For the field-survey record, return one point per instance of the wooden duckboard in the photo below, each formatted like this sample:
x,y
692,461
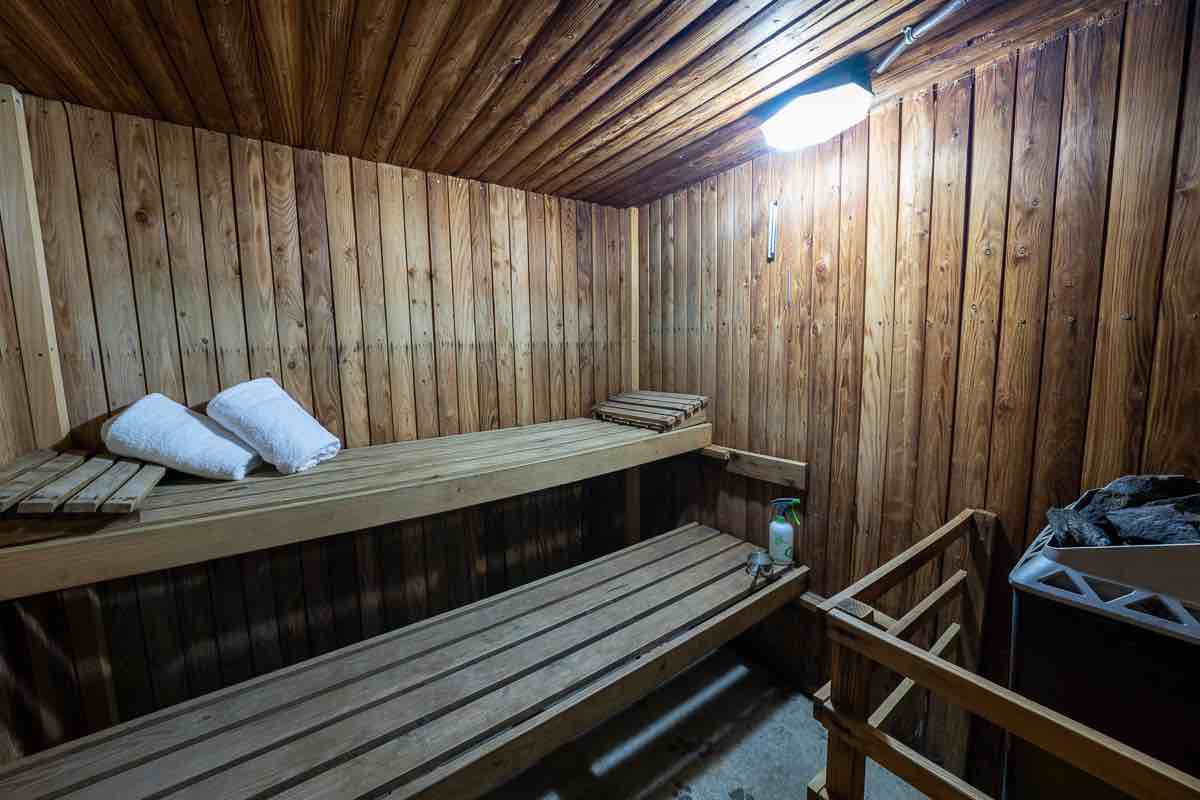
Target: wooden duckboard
x,y
658,411
45,482
450,707
193,521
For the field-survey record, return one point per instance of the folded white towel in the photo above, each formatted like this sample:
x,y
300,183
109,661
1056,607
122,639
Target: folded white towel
x,y
274,424
158,429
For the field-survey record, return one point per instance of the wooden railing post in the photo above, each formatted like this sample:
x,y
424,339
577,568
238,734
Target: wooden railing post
x,y
845,769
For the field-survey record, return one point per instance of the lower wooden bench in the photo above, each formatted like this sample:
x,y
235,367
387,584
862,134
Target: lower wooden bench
x,y
448,708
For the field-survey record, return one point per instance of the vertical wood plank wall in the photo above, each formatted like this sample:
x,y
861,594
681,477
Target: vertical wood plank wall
x,y
392,303
985,295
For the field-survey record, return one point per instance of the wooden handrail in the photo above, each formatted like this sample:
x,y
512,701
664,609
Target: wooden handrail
x,y
760,466
1118,764
969,521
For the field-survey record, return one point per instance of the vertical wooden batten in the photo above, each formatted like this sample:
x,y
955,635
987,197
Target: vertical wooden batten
x,y
27,275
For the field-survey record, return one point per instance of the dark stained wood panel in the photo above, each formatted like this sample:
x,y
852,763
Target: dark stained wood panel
x,y
611,102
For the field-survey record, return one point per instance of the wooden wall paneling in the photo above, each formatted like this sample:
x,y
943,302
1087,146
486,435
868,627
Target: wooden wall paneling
x,y
694,284
318,291
1144,141
465,43
254,247
327,29
600,342
628,243
743,188
823,347
1076,263
108,254
160,632
572,373
58,713
539,315
796,234
555,325
189,277
92,661
442,282
377,24
726,213
70,289
373,300
947,227
229,622
765,187
420,296
283,228
680,291
518,244
347,302
531,40
394,252
343,560
449,539
280,39
230,29
1026,276
669,305
613,288
462,246
654,297
1171,425
883,176
852,256
287,583
197,628
501,266
709,214
485,316
583,285
218,220
421,35
784,169
425,558
908,332
987,216
531,146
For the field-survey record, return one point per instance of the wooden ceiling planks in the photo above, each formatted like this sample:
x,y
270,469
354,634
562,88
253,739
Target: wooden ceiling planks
x,y
616,101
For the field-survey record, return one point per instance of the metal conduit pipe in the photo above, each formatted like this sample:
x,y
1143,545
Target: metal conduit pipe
x,y
914,32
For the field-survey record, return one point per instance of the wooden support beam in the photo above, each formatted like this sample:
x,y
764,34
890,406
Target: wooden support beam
x,y
772,469
27,268
629,308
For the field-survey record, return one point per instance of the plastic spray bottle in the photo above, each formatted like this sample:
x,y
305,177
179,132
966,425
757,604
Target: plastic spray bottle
x,y
781,537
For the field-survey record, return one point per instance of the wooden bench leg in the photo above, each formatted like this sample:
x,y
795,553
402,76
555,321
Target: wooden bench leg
x,y
845,769
633,505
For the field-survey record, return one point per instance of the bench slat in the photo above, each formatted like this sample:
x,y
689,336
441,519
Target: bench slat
x,y
128,744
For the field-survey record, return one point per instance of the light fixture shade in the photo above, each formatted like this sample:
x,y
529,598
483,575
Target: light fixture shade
x,y
815,117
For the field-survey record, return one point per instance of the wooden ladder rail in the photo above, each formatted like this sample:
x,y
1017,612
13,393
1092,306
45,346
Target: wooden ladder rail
x,y
861,643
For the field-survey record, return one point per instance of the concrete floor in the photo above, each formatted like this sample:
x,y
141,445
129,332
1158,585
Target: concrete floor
x,y
725,730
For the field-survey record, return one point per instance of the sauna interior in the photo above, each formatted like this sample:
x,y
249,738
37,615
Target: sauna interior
x,y
561,399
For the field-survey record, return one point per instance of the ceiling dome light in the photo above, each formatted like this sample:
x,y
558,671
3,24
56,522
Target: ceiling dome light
x,y
817,116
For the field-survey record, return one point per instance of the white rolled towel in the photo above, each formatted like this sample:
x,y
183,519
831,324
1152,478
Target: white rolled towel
x,y
158,429
270,421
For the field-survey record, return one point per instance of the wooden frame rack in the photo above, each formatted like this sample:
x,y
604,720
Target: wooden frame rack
x,y
863,640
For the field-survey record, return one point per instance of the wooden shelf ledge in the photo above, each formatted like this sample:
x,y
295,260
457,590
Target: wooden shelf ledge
x,y
772,469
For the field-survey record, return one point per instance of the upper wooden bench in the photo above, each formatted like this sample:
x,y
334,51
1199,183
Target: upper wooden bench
x,y
189,521
446,708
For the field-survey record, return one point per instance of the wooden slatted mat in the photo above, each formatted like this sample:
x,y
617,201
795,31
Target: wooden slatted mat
x,y
658,411
450,707
45,482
